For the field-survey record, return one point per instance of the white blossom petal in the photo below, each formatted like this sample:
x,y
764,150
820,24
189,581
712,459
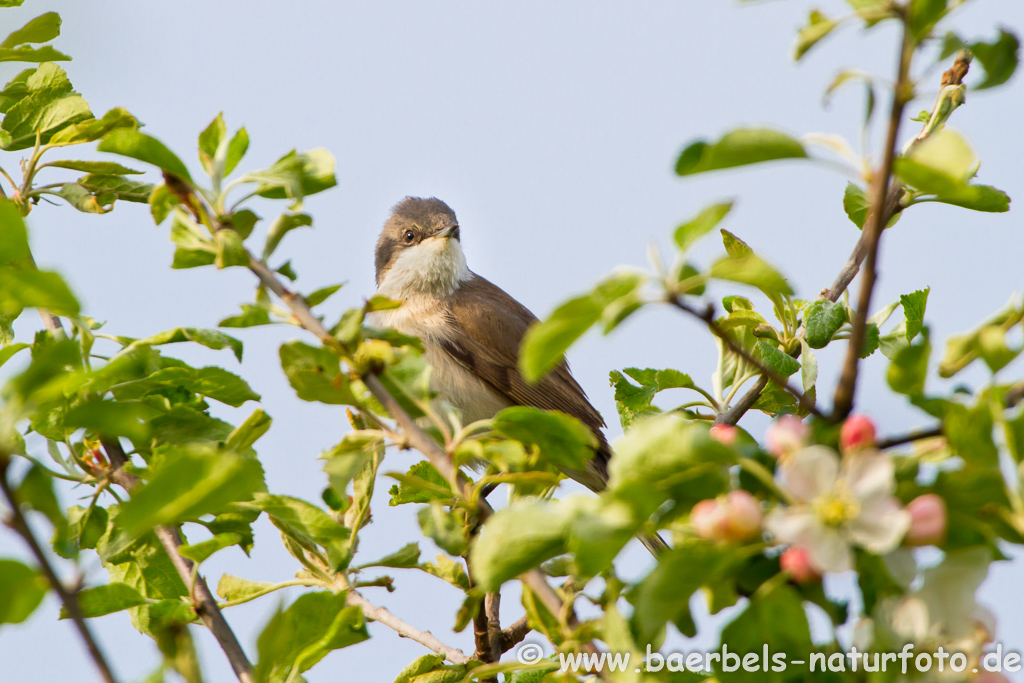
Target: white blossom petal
x,y
795,525
811,472
880,526
869,474
829,551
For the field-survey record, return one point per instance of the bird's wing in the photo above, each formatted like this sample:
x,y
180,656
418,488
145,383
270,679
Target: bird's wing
x,y
492,326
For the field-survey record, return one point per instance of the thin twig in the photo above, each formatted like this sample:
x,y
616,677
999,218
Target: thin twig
x,y
405,630
414,436
204,602
918,435
708,316
842,403
68,598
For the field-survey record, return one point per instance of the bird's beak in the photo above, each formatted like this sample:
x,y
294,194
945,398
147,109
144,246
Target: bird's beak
x,y
450,230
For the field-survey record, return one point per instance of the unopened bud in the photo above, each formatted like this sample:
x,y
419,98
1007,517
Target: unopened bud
x,y
786,435
928,520
797,563
735,516
857,433
725,433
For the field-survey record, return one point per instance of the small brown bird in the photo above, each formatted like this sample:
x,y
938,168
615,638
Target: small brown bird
x,y
471,329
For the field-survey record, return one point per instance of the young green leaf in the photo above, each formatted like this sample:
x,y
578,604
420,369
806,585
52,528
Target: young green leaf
x,y
406,557
300,636
35,289
23,589
444,527
295,176
751,270
942,165
50,104
999,58
913,311
818,26
131,143
698,226
209,141
518,538
209,338
190,482
315,374
562,439
284,224
739,148
114,597
93,128
199,552
822,320
909,367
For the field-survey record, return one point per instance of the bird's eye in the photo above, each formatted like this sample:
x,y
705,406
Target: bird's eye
x,y
409,236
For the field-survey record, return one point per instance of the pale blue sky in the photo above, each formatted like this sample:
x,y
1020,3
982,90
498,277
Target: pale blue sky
x,y
551,129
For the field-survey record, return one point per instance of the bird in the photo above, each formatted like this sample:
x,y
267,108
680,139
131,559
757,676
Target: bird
x,y
472,330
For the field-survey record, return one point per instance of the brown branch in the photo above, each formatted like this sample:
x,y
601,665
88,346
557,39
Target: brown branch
x,y
514,634
405,630
492,604
842,402
708,317
203,601
69,599
414,436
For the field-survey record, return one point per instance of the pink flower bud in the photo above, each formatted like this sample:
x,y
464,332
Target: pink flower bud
x,y
797,563
857,433
786,435
735,516
928,520
725,433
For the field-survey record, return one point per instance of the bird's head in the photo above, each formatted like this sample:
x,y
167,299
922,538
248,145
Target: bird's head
x,y
419,250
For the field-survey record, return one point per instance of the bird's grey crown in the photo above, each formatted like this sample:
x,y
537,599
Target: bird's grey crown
x,y
424,216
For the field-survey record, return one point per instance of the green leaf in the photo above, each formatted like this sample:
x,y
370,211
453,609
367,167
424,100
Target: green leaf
x,y
779,362
808,368
689,232
299,520
111,418
230,250
909,367
751,270
13,235
734,246
100,167
913,311
46,53
774,620
444,528
660,457
295,176
315,374
236,150
923,15
252,316
448,570
243,222
41,29
562,439
35,289
132,143
245,435
22,588
739,148
93,129
518,538
818,26
822,320
211,339
634,402
209,140
107,188
199,552
189,482
211,382
407,557
49,104
664,594
284,224
321,295
546,342
79,197
942,165
233,588
856,204
969,432
422,484
998,58
114,597
300,636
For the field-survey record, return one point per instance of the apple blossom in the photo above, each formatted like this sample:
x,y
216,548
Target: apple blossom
x,y
786,435
928,520
736,516
857,433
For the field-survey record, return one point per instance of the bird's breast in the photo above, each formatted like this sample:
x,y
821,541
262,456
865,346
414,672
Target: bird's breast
x,y
425,318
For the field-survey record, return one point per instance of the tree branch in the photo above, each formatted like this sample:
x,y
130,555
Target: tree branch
x,y
204,602
405,630
708,317
880,188
69,599
492,604
414,436
514,634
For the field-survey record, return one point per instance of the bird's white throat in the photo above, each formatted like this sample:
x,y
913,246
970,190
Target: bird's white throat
x,y
434,266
